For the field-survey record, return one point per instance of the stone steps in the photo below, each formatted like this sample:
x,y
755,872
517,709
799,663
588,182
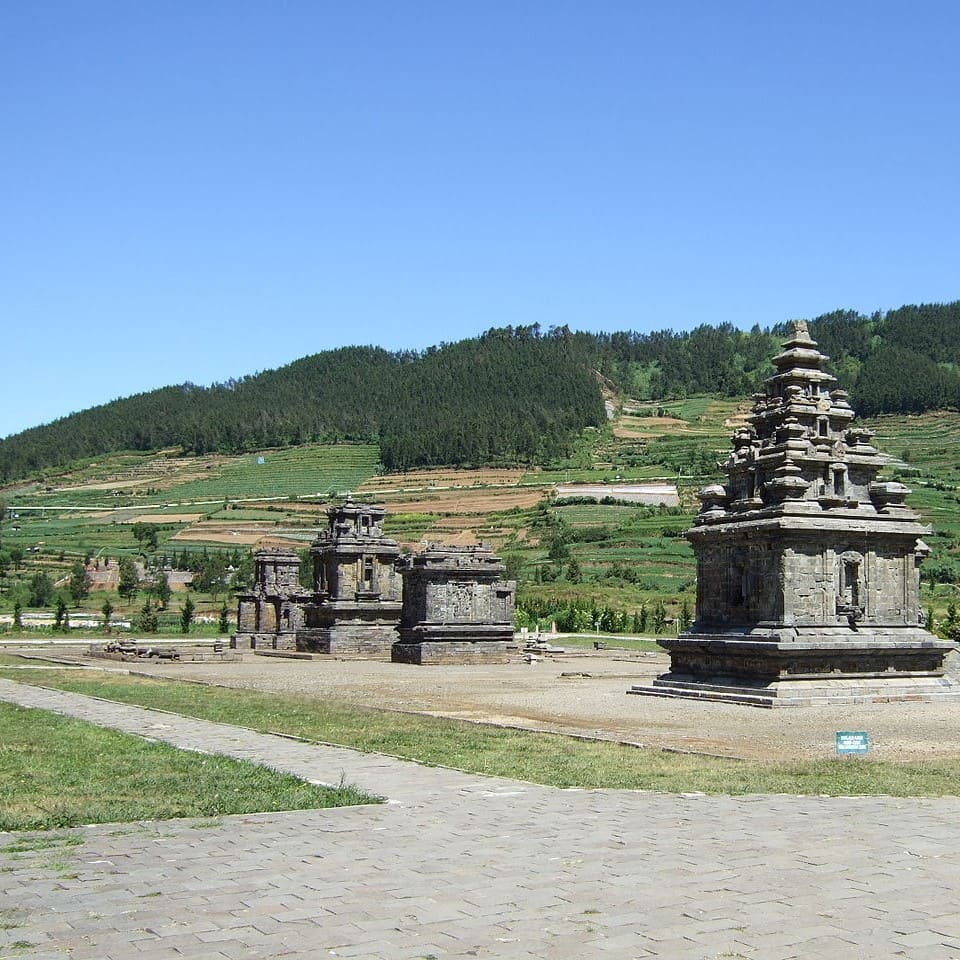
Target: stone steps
x,y
800,693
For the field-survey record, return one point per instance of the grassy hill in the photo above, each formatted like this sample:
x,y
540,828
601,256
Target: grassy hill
x,y
626,566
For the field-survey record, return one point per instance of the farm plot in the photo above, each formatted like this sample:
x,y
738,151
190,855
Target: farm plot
x,y
417,480
312,471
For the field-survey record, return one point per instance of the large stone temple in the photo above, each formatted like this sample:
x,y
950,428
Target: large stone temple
x,y
808,584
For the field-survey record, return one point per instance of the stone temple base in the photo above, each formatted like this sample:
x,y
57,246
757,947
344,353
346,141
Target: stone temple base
x,y
431,652
263,641
803,693
362,642
806,667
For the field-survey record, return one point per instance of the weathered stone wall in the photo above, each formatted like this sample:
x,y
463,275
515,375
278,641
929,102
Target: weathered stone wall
x,y
738,582
433,652
462,601
367,641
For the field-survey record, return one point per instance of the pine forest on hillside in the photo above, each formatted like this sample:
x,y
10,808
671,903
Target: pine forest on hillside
x,y
513,396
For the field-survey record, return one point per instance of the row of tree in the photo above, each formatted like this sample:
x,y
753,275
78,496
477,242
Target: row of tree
x,y
514,394
584,617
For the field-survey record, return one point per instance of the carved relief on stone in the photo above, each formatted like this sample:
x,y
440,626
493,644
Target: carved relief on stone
x,y
460,600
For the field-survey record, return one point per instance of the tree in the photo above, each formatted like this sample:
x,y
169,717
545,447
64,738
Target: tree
x,y
162,590
129,579
210,573
18,615
223,625
186,615
574,574
146,533
16,556
659,618
61,618
107,611
147,622
80,583
951,626
41,589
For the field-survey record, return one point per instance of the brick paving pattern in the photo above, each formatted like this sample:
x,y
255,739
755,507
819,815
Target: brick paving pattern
x,y
459,865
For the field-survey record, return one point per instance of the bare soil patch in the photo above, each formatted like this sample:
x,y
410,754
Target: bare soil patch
x,y
108,484
418,479
212,531
472,502
592,700
162,518
646,428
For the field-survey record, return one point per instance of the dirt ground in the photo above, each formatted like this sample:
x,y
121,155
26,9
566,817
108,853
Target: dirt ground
x,y
584,693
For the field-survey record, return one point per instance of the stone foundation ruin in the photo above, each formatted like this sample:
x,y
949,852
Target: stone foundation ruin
x,y
808,587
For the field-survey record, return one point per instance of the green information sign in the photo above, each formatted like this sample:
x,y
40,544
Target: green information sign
x,y
853,741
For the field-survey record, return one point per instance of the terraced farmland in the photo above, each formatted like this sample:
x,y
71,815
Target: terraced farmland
x,y
323,472
614,555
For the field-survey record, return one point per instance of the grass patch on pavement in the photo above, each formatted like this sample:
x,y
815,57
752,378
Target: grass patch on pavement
x,y
535,757
59,772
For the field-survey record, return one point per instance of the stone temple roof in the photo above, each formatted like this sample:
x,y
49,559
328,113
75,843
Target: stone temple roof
x,y
801,452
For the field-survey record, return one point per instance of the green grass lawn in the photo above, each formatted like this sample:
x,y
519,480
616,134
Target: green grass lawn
x,y
534,757
58,772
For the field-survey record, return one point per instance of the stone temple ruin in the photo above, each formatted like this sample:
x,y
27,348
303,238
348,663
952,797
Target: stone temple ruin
x,y
357,591
808,585
272,611
456,607
447,605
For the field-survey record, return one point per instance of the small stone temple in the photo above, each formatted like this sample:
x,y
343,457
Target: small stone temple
x,y
272,612
808,585
457,608
455,605
357,589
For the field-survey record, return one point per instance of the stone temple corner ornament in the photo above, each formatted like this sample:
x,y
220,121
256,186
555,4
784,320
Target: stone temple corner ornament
x,y
808,583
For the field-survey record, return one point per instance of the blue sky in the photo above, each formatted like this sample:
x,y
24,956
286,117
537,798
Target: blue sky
x,y
196,189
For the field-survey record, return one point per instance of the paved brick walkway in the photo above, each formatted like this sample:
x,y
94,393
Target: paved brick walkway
x,y
457,865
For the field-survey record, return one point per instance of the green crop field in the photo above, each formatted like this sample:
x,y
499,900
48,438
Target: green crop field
x,y
314,471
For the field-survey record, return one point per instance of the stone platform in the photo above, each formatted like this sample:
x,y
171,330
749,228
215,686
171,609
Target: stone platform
x,y
468,652
802,693
367,641
806,666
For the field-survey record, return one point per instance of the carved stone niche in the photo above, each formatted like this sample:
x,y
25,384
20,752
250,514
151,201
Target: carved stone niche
x,y
850,587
